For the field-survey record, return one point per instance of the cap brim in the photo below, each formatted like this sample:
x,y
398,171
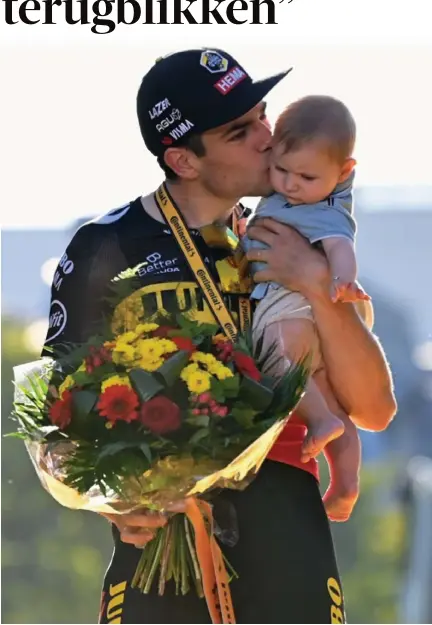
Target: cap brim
x,y
264,86
254,93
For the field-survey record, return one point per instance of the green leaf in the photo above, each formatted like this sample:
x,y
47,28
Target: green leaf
x,y
113,448
244,415
146,451
170,371
199,420
81,378
83,403
198,436
217,390
230,386
256,394
145,384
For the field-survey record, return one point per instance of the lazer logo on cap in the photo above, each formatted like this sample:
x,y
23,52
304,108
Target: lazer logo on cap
x,y
159,108
214,62
230,80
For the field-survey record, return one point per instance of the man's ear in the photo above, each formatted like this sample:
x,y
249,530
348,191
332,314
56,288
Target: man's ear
x,y
347,168
183,162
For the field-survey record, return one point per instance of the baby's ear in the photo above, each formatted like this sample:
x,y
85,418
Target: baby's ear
x,y
347,168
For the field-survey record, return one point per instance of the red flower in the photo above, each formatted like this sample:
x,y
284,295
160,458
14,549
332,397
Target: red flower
x,y
246,365
97,358
162,332
61,410
118,403
225,350
160,415
184,343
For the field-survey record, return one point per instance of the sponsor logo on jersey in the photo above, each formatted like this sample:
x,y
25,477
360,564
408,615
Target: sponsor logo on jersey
x,y
65,267
57,320
156,266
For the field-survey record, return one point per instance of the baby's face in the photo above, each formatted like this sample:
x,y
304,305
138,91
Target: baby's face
x,y
305,176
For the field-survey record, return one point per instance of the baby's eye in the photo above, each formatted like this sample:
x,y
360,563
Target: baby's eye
x,y
309,178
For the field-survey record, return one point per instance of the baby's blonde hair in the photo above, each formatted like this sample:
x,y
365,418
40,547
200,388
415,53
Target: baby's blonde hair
x,y
317,117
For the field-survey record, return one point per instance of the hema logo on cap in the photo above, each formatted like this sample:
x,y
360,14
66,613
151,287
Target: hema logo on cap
x,y
230,80
214,62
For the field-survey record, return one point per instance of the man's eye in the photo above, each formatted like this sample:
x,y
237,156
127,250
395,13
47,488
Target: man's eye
x,y
240,135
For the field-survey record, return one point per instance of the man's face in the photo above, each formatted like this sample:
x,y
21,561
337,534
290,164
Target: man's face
x,y
236,162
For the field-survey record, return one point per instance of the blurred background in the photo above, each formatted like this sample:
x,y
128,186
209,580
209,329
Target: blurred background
x,y
71,150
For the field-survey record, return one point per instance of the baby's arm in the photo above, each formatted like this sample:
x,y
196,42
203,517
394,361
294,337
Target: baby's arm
x,y
343,267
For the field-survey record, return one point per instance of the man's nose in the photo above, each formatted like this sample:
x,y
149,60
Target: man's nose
x,y
265,136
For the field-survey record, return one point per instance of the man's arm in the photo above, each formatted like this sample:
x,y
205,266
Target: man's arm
x,y
356,363
76,304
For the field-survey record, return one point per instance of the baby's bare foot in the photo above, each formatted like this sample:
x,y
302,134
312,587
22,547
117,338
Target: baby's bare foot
x,y
320,435
339,502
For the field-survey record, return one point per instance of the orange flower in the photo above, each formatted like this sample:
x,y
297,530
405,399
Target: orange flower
x,y
118,403
61,410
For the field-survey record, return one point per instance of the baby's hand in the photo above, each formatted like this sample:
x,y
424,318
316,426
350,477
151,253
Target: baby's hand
x,y
341,291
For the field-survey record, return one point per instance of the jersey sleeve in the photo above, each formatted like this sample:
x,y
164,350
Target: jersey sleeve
x,y
79,288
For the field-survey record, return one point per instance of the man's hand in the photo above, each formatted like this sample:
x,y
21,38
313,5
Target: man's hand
x,y
291,260
139,527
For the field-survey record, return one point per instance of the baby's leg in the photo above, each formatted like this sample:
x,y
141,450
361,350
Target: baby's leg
x,y
343,457
294,339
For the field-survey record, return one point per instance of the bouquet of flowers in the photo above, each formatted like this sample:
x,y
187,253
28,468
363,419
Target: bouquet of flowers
x,y
149,412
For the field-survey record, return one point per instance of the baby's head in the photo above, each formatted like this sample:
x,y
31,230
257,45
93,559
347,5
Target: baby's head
x,y
312,149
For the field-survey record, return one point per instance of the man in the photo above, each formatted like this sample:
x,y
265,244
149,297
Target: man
x,y
203,117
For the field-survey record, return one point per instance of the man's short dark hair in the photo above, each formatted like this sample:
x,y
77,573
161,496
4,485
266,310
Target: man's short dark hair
x,y
194,143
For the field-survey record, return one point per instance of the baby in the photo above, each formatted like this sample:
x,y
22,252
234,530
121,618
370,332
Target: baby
x,y
312,173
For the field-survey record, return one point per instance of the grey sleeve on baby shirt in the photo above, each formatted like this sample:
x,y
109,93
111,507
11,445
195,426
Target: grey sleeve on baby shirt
x,y
330,218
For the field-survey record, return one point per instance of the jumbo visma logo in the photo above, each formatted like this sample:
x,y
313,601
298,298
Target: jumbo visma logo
x,y
336,608
113,602
169,297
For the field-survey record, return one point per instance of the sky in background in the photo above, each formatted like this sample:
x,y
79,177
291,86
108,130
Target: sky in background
x,y
70,142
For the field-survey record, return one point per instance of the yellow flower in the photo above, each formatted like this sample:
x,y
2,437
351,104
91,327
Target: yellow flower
x,y
188,371
205,359
67,383
82,366
121,380
221,372
168,346
199,382
127,337
123,354
143,328
149,349
150,365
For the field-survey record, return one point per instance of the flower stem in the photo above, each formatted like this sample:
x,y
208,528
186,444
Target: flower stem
x,y
156,560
